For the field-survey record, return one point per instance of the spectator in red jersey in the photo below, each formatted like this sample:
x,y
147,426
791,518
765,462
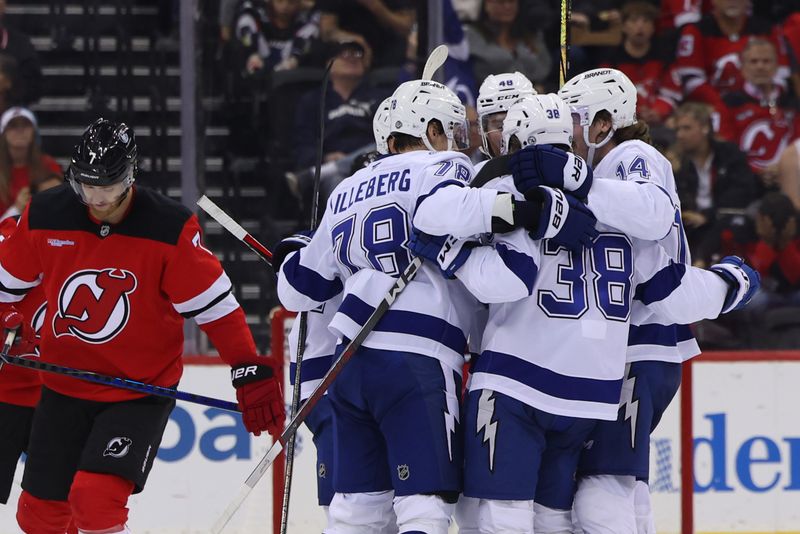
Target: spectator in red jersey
x,y
641,58
776,254
761,114
678,13
707,62
712,175
21,159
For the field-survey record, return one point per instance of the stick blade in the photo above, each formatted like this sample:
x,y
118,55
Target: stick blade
x,y
435,60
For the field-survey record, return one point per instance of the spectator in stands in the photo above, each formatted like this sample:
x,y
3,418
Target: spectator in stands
x,y
350,104
17,45
760,116
707,63
22,162
642,59
273,34
712,175
502,41
789,173
380,26
677,13
776,254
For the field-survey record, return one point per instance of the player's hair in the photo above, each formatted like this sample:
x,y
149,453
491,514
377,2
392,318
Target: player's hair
x,y
699,112
639,130
758,41
404,142
639,8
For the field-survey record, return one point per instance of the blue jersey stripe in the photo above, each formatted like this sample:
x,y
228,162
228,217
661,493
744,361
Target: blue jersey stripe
x,y
407,322
667,335
520,264
313,368
309,282
662,284
547,381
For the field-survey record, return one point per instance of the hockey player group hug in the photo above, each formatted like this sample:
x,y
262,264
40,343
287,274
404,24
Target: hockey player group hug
x,y
562,264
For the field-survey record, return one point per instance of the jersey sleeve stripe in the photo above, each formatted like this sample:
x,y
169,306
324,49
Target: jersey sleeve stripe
x,y
11,284
220,309
547,381
667,335
520,264
217,300
406,322
195,305
661,285
436,188
309,282
313,369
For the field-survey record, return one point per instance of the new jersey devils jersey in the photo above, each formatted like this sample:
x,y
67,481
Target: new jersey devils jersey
x,y
117,294
20,386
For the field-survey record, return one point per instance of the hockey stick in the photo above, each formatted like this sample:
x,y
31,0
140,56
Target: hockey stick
x,y
314,398
303,326
122,383
435,60
235,228
564,42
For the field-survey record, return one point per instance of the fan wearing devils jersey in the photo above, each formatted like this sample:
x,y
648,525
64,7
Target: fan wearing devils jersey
x,y
707,62
120,268
762,113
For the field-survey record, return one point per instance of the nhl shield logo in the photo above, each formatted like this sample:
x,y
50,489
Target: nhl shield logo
x,y
322,471
402,472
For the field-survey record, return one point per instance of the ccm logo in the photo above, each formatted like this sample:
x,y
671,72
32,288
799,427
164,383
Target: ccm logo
x,y
242,372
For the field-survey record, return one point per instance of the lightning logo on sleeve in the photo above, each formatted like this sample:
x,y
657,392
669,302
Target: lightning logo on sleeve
x,y
485,423
631,405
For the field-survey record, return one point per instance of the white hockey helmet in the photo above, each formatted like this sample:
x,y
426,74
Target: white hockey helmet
x,y
538,120
496,95
380,126
414,104
601,89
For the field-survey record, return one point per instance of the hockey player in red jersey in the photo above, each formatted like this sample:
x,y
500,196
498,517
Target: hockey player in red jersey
x,y
121,267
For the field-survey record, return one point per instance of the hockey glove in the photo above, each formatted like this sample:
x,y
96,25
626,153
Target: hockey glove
x,y
260,398
448,252
288,245
743,280
508,214
25,342
547,165
564,219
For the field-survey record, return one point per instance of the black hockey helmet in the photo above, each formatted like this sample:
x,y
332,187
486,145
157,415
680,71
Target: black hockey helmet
x,y
105,155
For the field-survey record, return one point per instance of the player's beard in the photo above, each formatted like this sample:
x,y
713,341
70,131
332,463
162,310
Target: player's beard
x,y
107,211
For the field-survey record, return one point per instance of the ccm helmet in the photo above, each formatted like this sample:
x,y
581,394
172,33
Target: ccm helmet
x,y
105,155
538,120
416,103
496,95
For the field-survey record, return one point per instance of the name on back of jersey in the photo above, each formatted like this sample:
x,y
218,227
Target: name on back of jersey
x,y
374,186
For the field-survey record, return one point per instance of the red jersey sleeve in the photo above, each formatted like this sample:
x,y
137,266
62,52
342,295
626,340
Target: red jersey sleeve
x,y
20,268
51,164
199,289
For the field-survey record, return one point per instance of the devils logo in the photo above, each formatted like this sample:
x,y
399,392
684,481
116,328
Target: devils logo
x,y
94,305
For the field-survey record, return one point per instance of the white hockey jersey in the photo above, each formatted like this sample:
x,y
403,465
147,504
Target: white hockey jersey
x,y
360,248
319,348
557,332
643,211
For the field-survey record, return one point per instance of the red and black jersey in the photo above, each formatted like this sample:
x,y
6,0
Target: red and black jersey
x,y
650,74
20,386
117,294
677,13
707,62
763,125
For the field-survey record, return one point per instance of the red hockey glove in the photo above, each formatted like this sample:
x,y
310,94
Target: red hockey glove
x,y
260,399
25,342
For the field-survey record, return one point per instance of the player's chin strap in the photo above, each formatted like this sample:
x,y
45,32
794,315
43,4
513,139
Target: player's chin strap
x,y
594,146
430,146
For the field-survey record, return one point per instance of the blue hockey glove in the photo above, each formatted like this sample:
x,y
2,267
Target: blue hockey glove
x,y
448,252
743,280
288,245
537,165
564,219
